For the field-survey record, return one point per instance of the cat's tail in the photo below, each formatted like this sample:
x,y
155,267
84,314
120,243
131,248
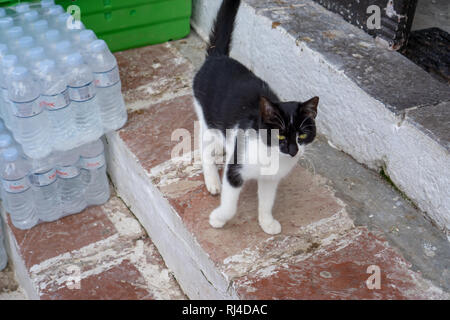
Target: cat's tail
x,y
220,37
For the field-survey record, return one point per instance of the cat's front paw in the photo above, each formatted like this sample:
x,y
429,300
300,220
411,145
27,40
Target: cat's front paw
x,y
270,226
215,219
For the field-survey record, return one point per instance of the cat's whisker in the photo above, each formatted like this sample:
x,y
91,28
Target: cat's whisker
x,y
310,125
304,121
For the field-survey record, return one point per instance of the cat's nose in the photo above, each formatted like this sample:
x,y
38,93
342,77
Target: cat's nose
x,y
293,149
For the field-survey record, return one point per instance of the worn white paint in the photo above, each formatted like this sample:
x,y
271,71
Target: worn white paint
x,y
193,269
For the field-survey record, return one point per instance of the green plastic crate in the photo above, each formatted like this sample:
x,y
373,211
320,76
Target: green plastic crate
x,y
126,24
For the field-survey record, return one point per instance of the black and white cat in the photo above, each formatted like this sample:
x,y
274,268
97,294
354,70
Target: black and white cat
x,y
230,98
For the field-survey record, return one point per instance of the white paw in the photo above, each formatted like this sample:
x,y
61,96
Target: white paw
x,y
215,219
212,182
271,226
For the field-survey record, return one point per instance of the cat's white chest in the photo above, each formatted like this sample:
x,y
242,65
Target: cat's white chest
x,y
271,165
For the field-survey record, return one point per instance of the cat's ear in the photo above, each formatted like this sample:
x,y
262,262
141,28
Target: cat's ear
x,y
310,107
269,112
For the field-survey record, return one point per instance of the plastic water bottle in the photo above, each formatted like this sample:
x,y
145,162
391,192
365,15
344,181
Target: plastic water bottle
x,y
93,173
61,21
2,12
52,12
107,80
5,142
22,7
8,64
3,53
23,45
29,122
38,30
62,50
44,186
45,4
86,37
82,93
6,23
17,192
12,34
3,255
55,99
52,37
73,31
33,57
71,197
28,18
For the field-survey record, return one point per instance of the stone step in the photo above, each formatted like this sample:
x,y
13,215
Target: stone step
x,y
375,104
101,253
321,252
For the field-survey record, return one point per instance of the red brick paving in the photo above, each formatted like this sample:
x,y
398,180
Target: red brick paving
x,y
338,271
148,131
122,282
50,239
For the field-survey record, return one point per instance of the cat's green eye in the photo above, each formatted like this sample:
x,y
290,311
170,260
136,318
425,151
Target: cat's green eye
x,y
281,137
303,136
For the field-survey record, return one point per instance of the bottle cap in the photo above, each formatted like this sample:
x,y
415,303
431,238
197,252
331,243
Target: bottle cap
x,y
40,26
75,59
98,46
63,46
5,140
6,22
9,60
19,72
47,3
36,53
55,10
46,65
25,42
15,32
10,154
22,7
63,17
87,36
52,35
3,49
31,16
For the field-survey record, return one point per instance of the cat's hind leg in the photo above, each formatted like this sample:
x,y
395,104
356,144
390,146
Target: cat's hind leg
x,y
210,143
207,143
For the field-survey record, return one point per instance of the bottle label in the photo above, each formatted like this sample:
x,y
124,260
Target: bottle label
x,y
55,102
84,93
26,109
107,79
43,179
93,163
67,172
16,186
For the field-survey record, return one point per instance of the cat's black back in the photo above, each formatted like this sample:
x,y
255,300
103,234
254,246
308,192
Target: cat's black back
x,y
228,92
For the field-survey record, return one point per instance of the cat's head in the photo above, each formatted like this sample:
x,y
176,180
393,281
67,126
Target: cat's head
x,y
295,122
